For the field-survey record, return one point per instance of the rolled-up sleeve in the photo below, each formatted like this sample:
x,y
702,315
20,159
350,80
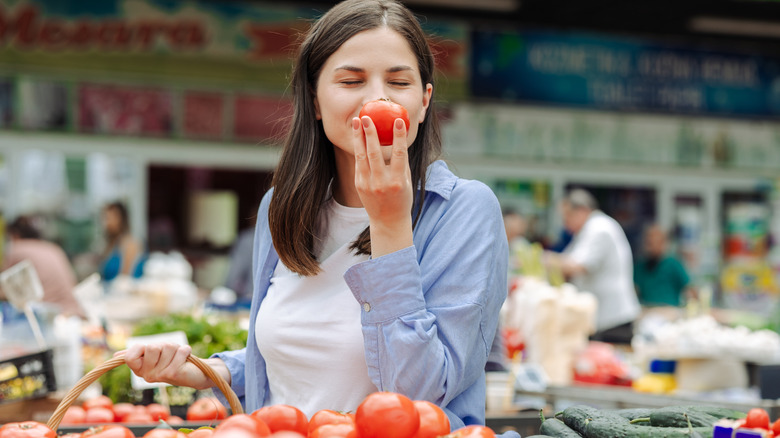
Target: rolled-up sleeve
x,y
236,362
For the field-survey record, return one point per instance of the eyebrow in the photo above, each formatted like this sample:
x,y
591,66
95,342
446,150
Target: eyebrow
x,y
395,69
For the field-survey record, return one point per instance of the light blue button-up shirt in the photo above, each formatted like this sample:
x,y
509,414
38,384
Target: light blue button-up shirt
x,y
429,311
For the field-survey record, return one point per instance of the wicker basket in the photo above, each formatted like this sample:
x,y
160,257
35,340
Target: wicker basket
x,y
92,376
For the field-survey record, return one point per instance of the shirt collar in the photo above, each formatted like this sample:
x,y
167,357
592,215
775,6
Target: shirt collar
x,y
439,179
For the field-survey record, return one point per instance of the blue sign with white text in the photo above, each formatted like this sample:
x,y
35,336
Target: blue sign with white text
x,y
622,74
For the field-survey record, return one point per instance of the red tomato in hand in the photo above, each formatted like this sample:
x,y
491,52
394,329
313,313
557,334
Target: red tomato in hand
x,y
327,416
386,415
343,430
100,401
244,422
108,431
473,431
74,415
433,421
122,410
206,409
158,411
99,415
283,417
757,417
26,429
383,113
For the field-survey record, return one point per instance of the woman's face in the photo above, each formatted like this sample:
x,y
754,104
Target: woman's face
x,y
112,222
373,64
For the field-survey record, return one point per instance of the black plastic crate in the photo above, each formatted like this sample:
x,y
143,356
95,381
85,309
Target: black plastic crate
x,y
27,377
138,430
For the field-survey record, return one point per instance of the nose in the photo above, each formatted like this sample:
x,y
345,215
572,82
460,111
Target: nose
x,y
375,90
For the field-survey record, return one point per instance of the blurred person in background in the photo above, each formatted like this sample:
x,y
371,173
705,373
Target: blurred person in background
x,y
660,278
516,226
49,260
122,255
598,260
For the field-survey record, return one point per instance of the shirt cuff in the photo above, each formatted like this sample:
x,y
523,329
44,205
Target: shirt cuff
x,y
387,287
236,368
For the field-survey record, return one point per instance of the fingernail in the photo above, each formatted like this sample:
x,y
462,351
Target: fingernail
x,y
399,124
355,123
366,119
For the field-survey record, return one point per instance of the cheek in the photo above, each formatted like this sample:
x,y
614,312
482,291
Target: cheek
x,y
414,129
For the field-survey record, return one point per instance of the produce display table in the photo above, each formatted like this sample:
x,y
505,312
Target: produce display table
x,y
38,409
526,423
616,397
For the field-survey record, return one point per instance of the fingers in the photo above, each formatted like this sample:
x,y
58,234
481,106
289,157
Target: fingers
x,y
362,170
373,150
399,161
134,357
157,362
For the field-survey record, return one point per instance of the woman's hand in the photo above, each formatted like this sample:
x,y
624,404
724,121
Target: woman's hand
x,y
384,186
168,363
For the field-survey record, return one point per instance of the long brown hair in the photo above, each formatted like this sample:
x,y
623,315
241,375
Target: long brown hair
x,y
307,164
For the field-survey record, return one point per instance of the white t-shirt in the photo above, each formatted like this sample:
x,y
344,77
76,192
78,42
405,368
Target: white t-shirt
x,y
601,246
308,328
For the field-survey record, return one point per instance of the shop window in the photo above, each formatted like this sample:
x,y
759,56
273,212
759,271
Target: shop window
x,y
201,212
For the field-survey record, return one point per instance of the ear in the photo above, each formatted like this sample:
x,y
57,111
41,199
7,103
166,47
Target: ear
x,y
317,108
427,94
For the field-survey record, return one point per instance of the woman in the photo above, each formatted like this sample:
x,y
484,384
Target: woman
x,y
122,252
375,268
49,260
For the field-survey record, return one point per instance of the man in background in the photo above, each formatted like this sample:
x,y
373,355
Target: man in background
x,y
660,278
598,260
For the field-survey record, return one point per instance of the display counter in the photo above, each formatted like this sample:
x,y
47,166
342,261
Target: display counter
x,y
616,397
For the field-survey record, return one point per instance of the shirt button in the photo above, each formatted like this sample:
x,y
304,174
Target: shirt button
x,y
366,307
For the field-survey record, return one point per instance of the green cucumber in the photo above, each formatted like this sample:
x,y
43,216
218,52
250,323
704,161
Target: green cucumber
x,y
678,416
557,428
607,427
577,417
633,413
719,412
593,423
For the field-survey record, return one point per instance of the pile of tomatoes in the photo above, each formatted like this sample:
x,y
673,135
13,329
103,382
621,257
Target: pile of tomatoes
x,y
380,415
101,410
758,420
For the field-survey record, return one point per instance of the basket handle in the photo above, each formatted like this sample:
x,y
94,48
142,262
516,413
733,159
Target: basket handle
x,y
92,376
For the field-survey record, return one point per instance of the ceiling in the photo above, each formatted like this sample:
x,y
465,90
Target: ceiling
x,y
751,24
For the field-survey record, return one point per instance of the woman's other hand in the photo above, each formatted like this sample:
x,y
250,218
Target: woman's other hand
x,y
168,363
